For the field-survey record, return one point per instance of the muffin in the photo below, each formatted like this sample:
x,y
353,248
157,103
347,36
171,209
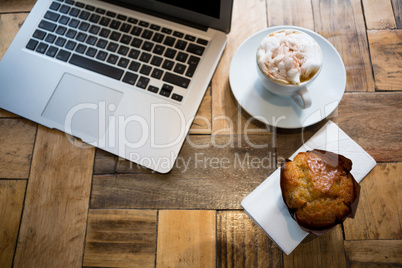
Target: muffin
x,y
318,188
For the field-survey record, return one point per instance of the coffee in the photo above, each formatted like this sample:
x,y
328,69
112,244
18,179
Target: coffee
x,y
289,57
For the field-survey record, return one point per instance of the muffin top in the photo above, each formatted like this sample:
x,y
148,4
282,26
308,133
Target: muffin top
x,y
318,189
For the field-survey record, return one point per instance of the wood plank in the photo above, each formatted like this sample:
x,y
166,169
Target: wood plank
x,y
12,193
241,243
379,215
9,26
6,114
120,238
8,6
55,212
372,120
202,123
342,23
186,238
386,50
374,253
397,7
211,173
378,14
290,12
17,137
105,163
323,251
227,116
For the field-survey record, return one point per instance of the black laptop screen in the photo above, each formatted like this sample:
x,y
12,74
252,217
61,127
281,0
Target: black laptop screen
x,y
206,13
207,7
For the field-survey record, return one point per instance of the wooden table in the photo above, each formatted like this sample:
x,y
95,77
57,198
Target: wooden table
x,y
65,205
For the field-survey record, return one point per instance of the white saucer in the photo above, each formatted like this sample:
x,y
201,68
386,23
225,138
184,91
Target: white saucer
x,y
326,91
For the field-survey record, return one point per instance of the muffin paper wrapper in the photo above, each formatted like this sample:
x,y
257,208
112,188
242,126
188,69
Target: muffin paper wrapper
x,y
265,205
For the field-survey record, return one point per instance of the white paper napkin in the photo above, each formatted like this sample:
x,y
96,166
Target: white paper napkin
x,y
265,205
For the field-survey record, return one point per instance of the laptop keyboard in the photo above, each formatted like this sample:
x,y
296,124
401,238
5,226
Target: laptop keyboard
x,y
124,48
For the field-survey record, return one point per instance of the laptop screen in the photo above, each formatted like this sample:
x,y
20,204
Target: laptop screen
x,y
206,13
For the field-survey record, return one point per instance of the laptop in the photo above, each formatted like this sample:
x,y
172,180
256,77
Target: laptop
x,y
124,76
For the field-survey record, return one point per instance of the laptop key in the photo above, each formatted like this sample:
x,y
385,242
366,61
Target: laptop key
x,y
176,80
112,58
143,82
134,66
74,23
70,45
195,49
51,16
101,55
38,34
63,55
81,48
157,73
192,65
54,6
145,69
153,89
74,12
130,78
167,64
177,97
51,52
91,52
50,38
71,33
60,41
166,90
123,62
104,21
41,48
47,25
64,9
96,66
64,20
61,30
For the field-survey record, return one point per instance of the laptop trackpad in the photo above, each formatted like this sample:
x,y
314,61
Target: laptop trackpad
x,y
82,108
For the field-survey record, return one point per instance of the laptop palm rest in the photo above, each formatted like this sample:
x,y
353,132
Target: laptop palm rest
x,y
81,108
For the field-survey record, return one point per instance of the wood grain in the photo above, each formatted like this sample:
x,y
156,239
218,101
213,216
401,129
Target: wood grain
x,y
373,121
8,6
186,238
121,238
54,219
17,137
227,115
12,193
241,243
386,51
379,14
202,123
323,251
105,163
342,23
397,7
379,215
374,253
364,118
9,26
288,12
211,173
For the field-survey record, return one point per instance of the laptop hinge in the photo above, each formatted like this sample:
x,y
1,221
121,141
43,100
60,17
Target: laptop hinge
x,y
159,15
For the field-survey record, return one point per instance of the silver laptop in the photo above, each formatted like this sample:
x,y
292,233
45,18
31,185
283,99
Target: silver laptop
x,y
124,76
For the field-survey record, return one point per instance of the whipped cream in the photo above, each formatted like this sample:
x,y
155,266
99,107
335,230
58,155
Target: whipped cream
x,y
289,56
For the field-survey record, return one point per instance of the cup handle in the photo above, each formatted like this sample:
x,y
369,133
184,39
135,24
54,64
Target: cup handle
x,y
302,98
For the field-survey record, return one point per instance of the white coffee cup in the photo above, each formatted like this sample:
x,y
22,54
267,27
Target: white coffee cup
x,y
281,87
